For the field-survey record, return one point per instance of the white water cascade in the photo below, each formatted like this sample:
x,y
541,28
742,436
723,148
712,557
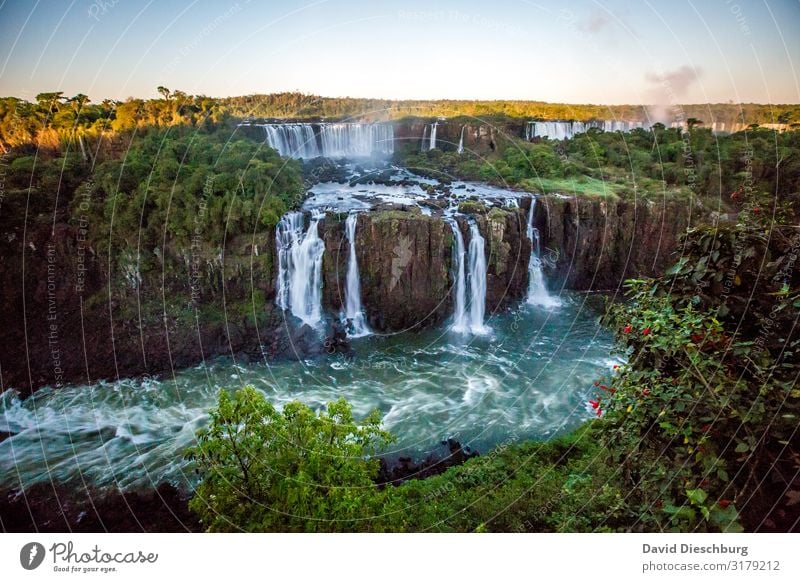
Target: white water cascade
x,y
460,321
469,319
300,267
331,140
477,280
461,140
424,137
537,290
353,314
432,145
559,130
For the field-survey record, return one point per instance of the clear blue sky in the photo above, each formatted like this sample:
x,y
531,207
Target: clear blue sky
x,y
615,51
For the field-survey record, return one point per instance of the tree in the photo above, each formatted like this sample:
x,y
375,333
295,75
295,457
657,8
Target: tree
x,y
293,470
79,101
164,91
693,122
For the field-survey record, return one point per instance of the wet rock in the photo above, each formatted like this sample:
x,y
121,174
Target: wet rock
x,y
449,453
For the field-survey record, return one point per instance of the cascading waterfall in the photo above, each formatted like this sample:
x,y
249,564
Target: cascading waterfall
x,y
353,313
331,140
568,129
432,145
292,140
424,137
469,272
460,320
477,280
537,290
356,139
300,267
461,140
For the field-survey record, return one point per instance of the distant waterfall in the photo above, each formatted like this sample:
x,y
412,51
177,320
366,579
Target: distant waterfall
x,y
461,140
300,267
331,140
537,290
558,130
353,312
424,137
466,320
432,145
292,140
356,139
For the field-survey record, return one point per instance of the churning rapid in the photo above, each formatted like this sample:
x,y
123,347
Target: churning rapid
x,y
330,140
530,378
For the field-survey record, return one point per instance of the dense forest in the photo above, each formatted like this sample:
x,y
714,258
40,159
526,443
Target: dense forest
x,y
54,117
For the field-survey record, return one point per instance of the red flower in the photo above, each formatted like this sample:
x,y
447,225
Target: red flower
x,y
646,331
734,195
756,210
612,390
627,329
599,412
616,366
597,383
646,392
696,337
594,403
724,503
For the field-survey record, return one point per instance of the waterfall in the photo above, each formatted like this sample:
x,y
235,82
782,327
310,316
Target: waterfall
x,y
469,319
434,125
477,280
537,290
460,322
356,139
424,137
293,140
569,129
461,140
300,267
331,140
353,315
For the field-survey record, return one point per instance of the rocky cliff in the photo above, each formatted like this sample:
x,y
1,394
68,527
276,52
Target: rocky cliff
x,y
70,316
597,244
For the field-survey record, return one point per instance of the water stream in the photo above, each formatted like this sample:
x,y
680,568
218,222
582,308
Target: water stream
x,y
353,312
530,378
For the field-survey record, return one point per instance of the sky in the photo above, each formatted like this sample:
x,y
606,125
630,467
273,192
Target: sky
x,y
584,51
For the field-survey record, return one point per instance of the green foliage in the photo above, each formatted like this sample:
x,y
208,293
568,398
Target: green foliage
x,y
293,470
759,169
703,417
565,485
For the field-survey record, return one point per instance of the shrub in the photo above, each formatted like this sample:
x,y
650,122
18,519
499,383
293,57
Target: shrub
x,y
292,470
